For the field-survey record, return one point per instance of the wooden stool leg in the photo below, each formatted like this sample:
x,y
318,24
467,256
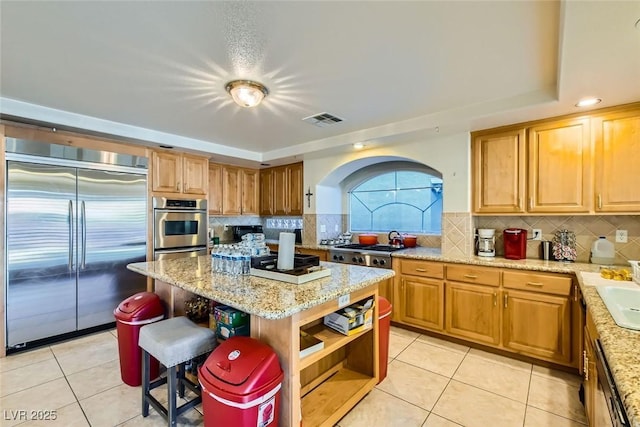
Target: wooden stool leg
x,y
145,382
171,389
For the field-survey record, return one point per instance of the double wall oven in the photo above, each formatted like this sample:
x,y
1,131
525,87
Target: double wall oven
x,y
366,255
179,228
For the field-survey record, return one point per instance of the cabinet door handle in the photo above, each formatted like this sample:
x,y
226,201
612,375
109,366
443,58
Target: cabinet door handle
x,y
506,300
585,365
538,284
421,270
470,276
495,299
575,292
178,186
599,201
530,203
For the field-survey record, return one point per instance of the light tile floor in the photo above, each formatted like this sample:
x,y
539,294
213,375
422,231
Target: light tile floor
x,y
430,383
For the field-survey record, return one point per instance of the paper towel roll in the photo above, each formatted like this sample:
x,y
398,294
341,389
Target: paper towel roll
x,y
286,245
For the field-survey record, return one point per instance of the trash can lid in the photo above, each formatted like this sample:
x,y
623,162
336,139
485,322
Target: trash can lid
x,y
143,305
384,306
241,365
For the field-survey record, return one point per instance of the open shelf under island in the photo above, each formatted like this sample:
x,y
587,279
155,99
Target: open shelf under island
x,y
321,387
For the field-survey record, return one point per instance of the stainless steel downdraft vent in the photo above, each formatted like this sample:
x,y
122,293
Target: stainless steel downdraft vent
x,y
323,120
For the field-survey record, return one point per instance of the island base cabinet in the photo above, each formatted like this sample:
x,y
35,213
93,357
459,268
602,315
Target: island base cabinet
x,y
320,388
538,325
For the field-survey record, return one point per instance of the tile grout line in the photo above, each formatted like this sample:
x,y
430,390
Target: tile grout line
x,y
70,388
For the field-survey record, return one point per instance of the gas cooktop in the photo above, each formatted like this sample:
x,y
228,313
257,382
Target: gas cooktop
x,y
358,247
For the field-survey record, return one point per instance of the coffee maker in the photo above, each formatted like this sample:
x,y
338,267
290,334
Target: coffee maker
x,y
486,242
515,243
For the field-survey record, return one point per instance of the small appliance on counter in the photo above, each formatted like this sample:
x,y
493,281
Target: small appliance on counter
x,y
564,246
486,242
241,230
515,243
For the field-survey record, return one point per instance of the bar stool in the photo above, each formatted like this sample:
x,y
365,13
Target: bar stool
x,y
173,342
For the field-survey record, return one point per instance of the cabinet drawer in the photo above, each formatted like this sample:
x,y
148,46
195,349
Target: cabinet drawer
x,y
547,283
423,268
472,274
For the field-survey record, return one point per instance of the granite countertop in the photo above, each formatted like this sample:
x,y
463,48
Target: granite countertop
x,y
266,298
621,346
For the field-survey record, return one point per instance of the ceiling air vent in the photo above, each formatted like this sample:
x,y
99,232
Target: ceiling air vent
x,y
323,120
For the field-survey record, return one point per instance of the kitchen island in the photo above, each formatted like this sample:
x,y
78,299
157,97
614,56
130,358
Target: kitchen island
x,y
323,386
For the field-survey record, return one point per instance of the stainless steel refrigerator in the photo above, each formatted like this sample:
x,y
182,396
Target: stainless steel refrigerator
x,y
70,232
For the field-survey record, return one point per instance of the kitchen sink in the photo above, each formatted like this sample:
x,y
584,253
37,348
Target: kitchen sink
x,y
623,303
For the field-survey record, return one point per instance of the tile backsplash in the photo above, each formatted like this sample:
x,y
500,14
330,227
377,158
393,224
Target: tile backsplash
x,y
587,229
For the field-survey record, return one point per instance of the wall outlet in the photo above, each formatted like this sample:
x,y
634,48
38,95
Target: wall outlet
x,y
537,234
226,227
621,236
323,228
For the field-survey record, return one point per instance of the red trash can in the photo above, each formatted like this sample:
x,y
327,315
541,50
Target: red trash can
x,y
131,315
241,381
384,326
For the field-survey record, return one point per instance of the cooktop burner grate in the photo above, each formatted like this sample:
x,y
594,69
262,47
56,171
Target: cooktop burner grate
x,y
379,248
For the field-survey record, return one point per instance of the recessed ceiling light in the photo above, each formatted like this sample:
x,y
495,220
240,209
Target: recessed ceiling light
x,y
358,145
587,102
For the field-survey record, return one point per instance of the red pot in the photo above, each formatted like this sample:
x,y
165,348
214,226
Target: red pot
x,y
368,239
409,241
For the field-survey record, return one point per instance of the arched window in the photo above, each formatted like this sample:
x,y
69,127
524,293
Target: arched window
x,y
406,201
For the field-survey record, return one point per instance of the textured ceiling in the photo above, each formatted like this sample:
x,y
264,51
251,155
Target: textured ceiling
x,y
393,70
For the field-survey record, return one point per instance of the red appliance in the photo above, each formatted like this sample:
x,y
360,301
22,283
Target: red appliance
x,y
131,315
241,382
515,243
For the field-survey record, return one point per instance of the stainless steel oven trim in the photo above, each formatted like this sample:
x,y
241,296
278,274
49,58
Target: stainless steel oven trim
x,y
179,253
605,377
160,241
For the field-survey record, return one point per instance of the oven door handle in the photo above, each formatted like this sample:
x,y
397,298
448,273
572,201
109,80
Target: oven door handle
x,y
620,414
180,250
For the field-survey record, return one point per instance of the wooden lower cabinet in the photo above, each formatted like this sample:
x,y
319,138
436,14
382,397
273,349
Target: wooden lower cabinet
x,y
472,312
537,324
531,313
421,302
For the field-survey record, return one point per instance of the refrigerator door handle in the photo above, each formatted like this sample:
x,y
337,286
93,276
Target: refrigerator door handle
x,y
71,222
83,224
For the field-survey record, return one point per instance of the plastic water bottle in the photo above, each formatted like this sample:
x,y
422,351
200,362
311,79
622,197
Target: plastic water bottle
x,y
236,261
246,262
215,258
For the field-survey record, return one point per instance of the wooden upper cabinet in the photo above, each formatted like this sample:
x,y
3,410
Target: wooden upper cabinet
x,y
195,173
295,183
215,189
233,190
281,190
250,191
266,192
167,172
179,173
499,172
560,167
617,161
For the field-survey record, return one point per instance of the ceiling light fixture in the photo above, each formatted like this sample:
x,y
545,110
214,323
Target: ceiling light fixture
x,y
587,102
246,93
358,145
